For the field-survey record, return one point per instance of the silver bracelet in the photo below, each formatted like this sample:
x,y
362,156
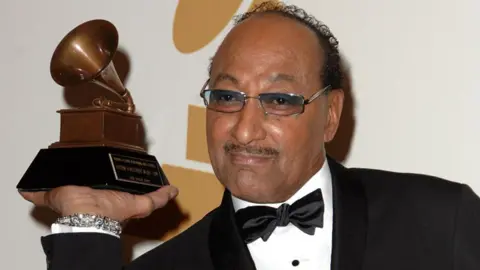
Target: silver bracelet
x,y
89,220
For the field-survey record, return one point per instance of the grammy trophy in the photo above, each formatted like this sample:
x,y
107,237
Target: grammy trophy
x,y
100,146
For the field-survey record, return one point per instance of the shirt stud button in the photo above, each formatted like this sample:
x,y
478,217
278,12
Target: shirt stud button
x,y
295,262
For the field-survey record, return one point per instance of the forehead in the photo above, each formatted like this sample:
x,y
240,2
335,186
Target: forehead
x,y
268,45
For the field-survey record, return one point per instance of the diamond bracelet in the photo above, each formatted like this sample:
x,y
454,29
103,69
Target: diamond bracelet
x,y
88,220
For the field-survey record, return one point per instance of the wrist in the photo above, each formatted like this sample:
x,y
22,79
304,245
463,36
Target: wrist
x,y
89,209
85,220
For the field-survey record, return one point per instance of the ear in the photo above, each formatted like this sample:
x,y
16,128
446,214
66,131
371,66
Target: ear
x,y
335,107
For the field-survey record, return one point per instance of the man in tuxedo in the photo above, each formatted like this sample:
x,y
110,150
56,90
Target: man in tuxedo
x,y
274,98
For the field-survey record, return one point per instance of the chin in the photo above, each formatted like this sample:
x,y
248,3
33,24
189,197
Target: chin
x,y
249,185
252,192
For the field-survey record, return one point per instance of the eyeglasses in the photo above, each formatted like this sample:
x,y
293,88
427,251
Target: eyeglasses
x,y
281,104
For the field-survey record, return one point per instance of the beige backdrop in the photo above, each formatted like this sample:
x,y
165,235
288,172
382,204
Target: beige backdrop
x,y
412,104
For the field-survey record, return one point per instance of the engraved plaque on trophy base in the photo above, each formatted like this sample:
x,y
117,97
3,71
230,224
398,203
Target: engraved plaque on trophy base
x,y
96,167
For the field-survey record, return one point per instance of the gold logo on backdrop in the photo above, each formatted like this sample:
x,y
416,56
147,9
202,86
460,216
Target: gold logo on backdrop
x,y
198,22
193,29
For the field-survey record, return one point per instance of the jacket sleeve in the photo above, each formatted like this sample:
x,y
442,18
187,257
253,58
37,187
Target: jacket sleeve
x,y
82,251
466,247
99,251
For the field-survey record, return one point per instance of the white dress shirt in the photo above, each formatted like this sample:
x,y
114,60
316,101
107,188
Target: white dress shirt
x,y
290,248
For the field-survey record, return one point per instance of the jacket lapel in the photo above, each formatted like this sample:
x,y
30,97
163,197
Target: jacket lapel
x,y
349,219
227,249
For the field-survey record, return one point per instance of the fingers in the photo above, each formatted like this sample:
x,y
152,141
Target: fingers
x,y
162,196
37,198
146,204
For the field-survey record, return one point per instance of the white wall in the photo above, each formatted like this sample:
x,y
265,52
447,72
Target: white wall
x,y
413,65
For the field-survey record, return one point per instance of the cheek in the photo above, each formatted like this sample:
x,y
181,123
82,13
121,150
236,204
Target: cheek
x,y
218,129
284,136
276,133
288,140
296,139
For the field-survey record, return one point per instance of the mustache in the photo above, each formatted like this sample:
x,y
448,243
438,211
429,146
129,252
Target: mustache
x,y
261,151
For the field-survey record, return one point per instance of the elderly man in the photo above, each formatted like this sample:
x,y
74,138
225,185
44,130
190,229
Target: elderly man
x,y
274,98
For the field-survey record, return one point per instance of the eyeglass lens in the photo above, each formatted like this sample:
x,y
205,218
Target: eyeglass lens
x,y
272,103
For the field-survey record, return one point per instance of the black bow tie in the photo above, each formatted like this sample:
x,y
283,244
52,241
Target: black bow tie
x,y
260,221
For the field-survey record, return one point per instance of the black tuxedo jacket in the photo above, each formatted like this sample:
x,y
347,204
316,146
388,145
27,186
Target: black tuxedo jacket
x,y
382,220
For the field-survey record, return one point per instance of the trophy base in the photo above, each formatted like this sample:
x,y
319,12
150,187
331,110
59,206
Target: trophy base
x,y
98,167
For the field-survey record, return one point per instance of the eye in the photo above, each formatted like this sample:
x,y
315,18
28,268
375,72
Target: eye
x,y
277,99
225,97
280,101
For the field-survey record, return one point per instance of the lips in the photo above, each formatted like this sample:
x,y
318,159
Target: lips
x,y
249,159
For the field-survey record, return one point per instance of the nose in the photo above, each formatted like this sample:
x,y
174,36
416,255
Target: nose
x,y
249,125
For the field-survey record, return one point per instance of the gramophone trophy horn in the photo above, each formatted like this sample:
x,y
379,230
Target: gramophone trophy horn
x,y
100,146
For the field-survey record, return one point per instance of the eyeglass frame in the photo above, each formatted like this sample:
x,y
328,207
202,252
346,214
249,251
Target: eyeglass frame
x,y
306,101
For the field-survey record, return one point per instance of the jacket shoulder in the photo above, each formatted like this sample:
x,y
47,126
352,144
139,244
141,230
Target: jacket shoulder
x,y
412,190
406,180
